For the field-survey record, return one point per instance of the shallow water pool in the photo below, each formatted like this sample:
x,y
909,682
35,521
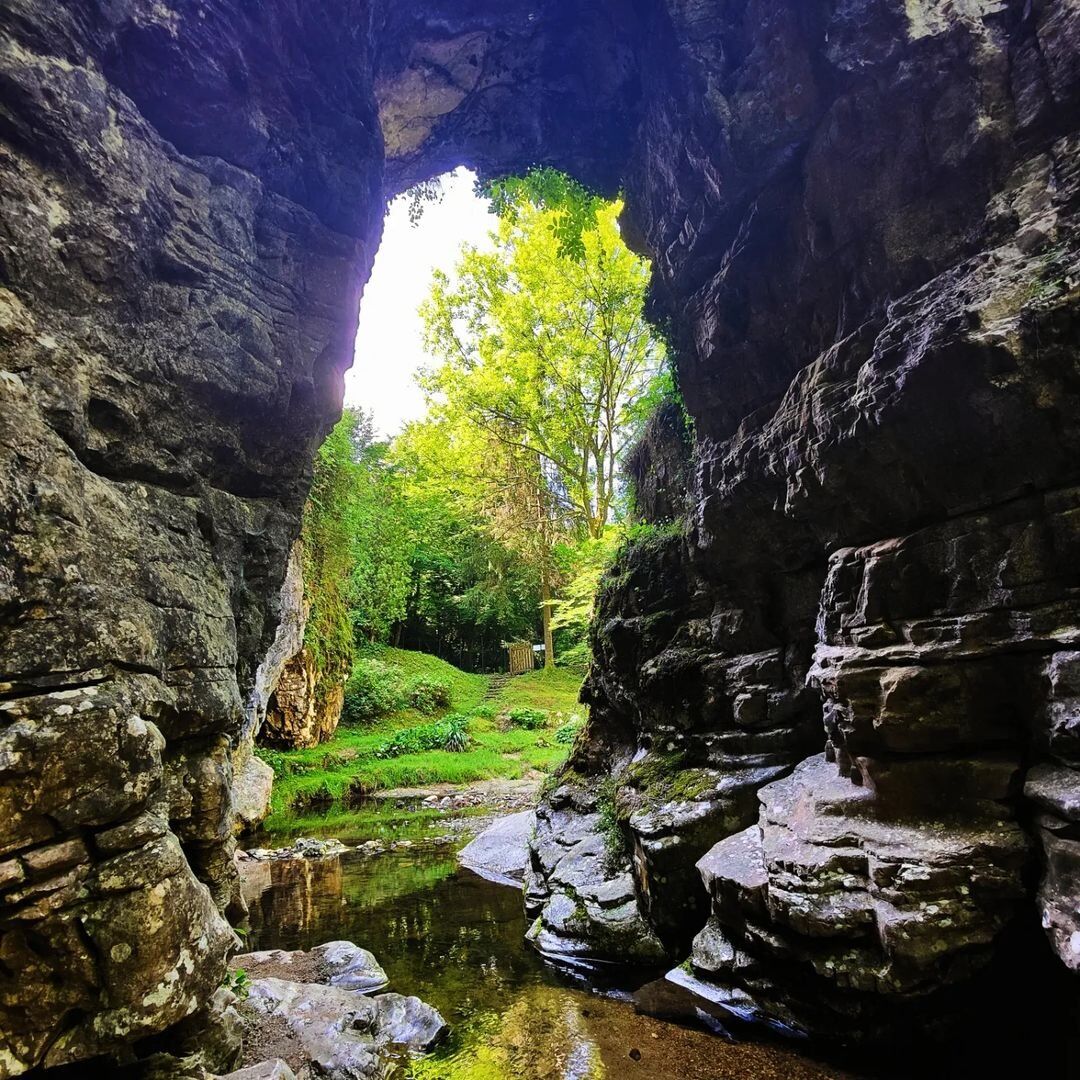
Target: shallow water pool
x,y
456,941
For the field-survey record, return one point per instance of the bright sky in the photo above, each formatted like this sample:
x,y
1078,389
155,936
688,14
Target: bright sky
x,y
389,339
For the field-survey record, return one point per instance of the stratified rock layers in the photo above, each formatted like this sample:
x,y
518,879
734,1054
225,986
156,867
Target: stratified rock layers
x,y
306,704
177,305
867,243
863,219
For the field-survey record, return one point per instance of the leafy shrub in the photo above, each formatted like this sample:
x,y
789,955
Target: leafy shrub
x,y
455,733
566,734
374,689
483,712
450,733
426,695
528,719
238,981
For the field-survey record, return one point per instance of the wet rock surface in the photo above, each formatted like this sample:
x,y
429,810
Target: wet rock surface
x,y
579,888
501,852
327,1032
863,218
312,1010
337,963
839,911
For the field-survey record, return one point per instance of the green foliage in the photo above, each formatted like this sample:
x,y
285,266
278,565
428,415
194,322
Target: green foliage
x,y
450,733
421,196
468,590
238,981
527,719
543,354
278,760
555,690
610,826
328,549
543,348
374,689
355,559
648,534
427,695
466,690
582,565
568,732
571,205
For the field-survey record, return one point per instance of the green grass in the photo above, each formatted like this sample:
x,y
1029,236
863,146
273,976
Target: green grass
x,y
344,769
555,690
466,691
382,820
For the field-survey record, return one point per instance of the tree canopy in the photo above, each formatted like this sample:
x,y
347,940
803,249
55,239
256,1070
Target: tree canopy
x,y
543,349
501,507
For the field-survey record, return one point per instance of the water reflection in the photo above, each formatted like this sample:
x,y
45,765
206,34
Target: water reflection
x,y
457,941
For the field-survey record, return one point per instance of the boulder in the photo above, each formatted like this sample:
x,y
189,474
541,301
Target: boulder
x,y
265,1070
336,1033
253,782
501,852
337,963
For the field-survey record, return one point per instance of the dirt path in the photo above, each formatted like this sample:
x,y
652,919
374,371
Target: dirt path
x,y
501,794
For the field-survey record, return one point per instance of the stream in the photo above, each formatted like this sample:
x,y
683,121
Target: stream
x,y
457,941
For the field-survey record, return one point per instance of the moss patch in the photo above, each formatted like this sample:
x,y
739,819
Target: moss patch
x,y
662,776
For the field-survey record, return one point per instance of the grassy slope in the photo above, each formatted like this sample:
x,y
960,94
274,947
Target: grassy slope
x,y
345,767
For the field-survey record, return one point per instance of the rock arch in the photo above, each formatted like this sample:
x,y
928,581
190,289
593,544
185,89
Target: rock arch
x,y
862,215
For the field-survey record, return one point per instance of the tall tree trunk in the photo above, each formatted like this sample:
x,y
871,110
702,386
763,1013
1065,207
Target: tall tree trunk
x,y
545,607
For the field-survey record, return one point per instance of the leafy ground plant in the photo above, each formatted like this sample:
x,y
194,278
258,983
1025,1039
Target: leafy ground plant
x,y
568,732
451,733
238,981
527,719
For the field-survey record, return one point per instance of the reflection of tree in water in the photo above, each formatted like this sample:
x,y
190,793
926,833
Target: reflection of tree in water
x,y
288,898
457,942
443,934
539,1034
440,932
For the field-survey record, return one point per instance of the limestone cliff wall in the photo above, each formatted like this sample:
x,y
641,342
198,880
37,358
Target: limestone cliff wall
x,y
863,220
306,704
181,265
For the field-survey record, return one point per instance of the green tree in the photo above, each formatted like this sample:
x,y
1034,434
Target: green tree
x,y
543,347
468,591
581,566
